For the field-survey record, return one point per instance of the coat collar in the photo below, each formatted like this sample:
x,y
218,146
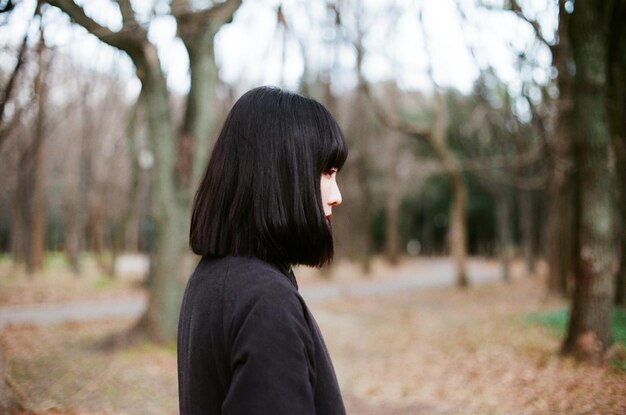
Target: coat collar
x,y
287,270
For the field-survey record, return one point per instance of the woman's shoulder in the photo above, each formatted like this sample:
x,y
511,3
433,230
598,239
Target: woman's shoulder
x,y
245,274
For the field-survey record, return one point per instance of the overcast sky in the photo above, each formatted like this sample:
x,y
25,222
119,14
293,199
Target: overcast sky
x,y
249,50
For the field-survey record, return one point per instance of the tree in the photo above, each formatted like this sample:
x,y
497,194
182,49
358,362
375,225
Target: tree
x,y
29,232
392,199
589,331
504,155
5,98
435,135
560,241
179,157
617,119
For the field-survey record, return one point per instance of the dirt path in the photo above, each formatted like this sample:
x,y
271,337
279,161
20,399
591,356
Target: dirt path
x,y
438,272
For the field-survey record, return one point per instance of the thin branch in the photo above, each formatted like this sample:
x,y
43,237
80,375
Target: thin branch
x,y
128,15
391,120
515,7
429,56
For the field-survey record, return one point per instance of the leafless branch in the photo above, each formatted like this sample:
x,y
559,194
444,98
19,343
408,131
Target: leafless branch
x,y
391,120
216,16
128,15
6,96
515,7
125,40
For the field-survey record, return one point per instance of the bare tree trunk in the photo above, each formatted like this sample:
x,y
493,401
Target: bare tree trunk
x,y
620,164
38,210
457,236
503,214
72,229
428,231
558,235
20,229
97,235
527,211
457,232
77,205
198,37
119,242
165,282
72,234
24,208
620,277
589,332
358,131
365,252
393,198
28,234
617,116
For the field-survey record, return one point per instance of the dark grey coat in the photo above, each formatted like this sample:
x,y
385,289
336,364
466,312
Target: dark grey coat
x,y
248,344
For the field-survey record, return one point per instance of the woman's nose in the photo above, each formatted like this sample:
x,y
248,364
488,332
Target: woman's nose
x,y
335,196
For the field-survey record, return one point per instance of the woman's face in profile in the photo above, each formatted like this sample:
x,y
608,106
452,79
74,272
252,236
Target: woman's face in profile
x,y
331,196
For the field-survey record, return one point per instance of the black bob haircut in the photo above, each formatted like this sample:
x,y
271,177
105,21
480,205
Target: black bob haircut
x,y
260,195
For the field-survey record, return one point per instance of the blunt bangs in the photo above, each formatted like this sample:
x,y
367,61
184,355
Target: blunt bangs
x,y
260,194
334,151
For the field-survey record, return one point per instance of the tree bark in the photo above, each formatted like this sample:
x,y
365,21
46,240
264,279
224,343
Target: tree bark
x,y
589,331
620,277
120,241
527,212
360,157
457,239
198,36
560,218
38,209
72,231
392,223
30,213
21,226
617,116
503,214
165,281
96,230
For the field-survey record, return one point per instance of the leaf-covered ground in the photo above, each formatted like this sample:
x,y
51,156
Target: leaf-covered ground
x,y
463,352
57,284
434,351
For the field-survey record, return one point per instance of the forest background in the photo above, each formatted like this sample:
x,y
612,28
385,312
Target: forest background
x,y
491,129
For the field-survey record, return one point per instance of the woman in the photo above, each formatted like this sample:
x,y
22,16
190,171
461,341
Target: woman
x,y
247,343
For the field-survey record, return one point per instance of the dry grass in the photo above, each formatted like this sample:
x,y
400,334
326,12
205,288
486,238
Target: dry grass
x,y
435,351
